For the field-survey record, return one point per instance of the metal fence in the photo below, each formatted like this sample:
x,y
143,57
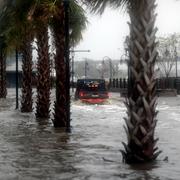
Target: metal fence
x,y
161,83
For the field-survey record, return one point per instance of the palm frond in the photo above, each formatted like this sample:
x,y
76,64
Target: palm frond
x,y
100,5
78,22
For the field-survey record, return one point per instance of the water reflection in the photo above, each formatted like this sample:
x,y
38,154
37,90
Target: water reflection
x,y
34,149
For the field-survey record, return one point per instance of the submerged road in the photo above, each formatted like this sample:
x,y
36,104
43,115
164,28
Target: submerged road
x,y
33,150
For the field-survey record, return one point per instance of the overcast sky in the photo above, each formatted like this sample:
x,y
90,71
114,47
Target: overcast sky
x,y
105,34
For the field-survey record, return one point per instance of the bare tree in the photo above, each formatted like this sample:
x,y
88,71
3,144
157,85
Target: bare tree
x,y
167,50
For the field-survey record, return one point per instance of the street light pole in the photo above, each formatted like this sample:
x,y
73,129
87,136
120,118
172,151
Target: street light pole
x,y
110,66
85,68
3,88
66,9
72,64
127,62
80,51
72,71
1,67
17,80
176,58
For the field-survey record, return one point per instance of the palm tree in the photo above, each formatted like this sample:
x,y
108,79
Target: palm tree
x,y
43,73
26,50
27,34
60,111
18,33
77,24
141,103
40,16
50,8
3,47
42,12
27,21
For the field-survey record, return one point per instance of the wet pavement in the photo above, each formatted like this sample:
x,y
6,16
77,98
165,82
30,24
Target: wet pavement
x,y
32,149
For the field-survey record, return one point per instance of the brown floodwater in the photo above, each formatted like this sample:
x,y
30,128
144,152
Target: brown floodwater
x,y
32,149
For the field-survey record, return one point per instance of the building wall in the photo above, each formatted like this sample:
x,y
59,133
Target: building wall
x,y
11,79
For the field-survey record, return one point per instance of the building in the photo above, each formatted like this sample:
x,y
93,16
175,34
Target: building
x,y
11,71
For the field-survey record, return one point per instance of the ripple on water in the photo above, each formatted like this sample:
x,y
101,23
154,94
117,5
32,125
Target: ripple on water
x,y
32,150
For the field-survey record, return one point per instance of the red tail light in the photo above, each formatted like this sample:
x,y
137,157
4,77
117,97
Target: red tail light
x,y
107,94
81,94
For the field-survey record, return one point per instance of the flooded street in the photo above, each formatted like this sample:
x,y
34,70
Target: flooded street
x,y
32,150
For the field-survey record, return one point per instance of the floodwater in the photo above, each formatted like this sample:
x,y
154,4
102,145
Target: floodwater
x,y
32,150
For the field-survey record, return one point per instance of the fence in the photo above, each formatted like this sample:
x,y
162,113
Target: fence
x,y
170,83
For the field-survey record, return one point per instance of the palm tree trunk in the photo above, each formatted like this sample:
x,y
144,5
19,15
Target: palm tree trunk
x,y
26,102
60,111
3,90
43,76
141,103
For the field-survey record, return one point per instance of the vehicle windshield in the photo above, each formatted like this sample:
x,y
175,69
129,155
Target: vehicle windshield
x,y
91,85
